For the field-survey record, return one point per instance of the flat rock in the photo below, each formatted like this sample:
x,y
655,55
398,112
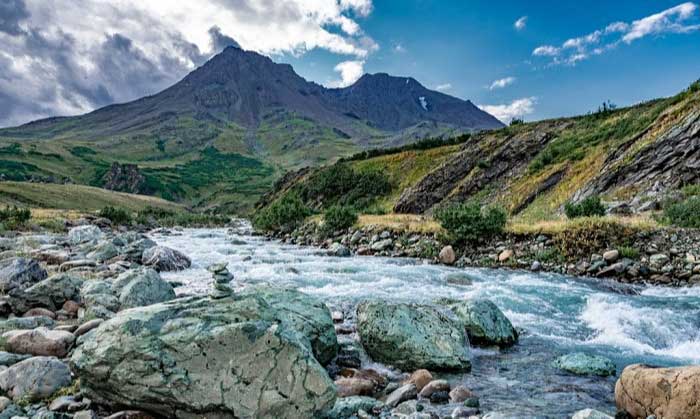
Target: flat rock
x,y
142,287
401,394
584,364
35,378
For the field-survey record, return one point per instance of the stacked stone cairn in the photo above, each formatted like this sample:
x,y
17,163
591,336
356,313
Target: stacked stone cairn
x,y
222,278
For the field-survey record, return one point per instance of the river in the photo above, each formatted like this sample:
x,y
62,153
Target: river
x,y
555,314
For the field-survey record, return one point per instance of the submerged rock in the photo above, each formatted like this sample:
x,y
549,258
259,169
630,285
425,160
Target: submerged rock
x,y
590,414
241,356
164,259
584,364
669,393
411,336
485,323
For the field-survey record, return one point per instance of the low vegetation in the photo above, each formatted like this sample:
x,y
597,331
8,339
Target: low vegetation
x,y
685,213
424,144
14,217
589,207
470,223
337,218
340,184
586,236
283,215
117,216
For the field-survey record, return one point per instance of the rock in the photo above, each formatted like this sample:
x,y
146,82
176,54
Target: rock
x,y
590,414
130,414
505,255
459,279
382,245
338,250
71,307
401,394
203,357
103,251
536,266
39,311
221,287
88,326
61,404
346,407
351,386
50,293
25,323
447,255
412,336
84,234
434,387
18,274
484,322
39,342
611,256
85,414
407,408
77,264
7,359
164,259
35,378
439,397
584,364
658,259
460,393
420,378
669,393
468,412
142,287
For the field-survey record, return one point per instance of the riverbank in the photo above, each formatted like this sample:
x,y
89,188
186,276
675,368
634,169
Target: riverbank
x,y
632,251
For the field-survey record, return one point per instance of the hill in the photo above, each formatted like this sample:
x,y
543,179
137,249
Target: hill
x,y
634,158
223,134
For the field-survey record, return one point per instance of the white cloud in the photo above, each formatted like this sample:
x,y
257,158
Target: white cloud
x,y
673,20
515,109
399,48
350,72
501,83
520,23
57,47
443,87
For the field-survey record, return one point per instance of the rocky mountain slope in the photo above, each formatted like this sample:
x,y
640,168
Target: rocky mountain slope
x,y
633,157
240,118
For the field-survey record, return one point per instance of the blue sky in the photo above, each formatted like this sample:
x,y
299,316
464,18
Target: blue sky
x,y
67,57
468,45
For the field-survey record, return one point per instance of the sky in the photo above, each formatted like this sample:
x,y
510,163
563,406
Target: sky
x,y
524,59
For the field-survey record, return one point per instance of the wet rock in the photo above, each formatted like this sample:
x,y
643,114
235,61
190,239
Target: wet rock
x,y
39,342
18,274
669,393
86,414
338,250
420,378
35,378
484,322
459,279
439,397
401,394
434,387
164,259
590,414
130,414
84,234
142,287
204,357
460,393
346,407
411,336
447,255
584,364
24,323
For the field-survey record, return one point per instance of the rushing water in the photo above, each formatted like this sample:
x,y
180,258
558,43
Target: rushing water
x,y
555,314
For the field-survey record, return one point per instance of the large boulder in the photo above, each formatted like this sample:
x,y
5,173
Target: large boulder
x,y
198,357
84,234
485,323
98,293
40,341
18,274
584,364
50,293
142,287
25,323
411,336
164,259
669,393
104,251
35,379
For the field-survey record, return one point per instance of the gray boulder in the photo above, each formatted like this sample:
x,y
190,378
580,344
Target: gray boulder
x,y
18,274
50,293
236,356
35,379
104,251
411,336
7,359
164,259
485,323
584,364
96,293
24,323
40,341
142,287
347,407
84,234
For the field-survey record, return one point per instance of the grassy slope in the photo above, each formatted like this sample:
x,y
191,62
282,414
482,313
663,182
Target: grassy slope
x,y
75,197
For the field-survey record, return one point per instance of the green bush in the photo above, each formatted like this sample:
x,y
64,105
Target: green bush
x,y
118,216
338,218
167,218
13,217
283,215
629,252
685,213
340,184
589,207
470,223
591,235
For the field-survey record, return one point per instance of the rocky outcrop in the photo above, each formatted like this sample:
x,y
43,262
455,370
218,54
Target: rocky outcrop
x,y
125,178
239,356
668,393
485,323
411,336
164,259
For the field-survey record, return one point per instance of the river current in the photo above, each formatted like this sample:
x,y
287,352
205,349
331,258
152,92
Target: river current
x,y
554,314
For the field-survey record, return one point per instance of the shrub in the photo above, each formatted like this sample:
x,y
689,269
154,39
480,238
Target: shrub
x,y
13,217
629,252
470,223
167,218
590,235
338,218
589,207
340,184
283,215
685,213
118,216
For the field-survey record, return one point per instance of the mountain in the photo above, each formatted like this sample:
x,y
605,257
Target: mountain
x,y
634,158
221,135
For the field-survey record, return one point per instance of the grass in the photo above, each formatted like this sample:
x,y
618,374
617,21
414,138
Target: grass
x,y
408,223
559,225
